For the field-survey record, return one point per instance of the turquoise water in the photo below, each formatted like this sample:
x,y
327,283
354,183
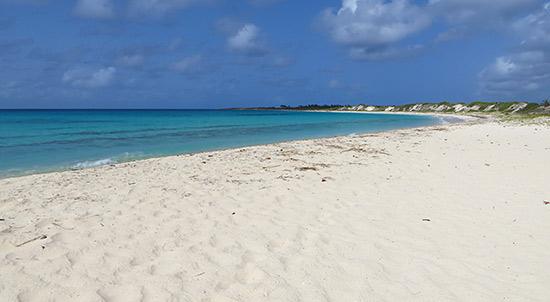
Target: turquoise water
x,y
37,141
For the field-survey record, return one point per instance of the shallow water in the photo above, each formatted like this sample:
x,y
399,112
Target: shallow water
x,y
37,141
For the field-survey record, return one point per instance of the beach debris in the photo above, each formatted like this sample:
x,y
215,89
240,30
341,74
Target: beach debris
x,y
306,168
268,158
199,274
2,219
546,203
426,219
233,213
323,180
34,239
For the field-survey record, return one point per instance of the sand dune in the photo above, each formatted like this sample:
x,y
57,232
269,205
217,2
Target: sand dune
x,y
442,213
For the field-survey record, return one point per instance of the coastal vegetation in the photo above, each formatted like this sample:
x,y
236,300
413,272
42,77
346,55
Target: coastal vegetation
x,y
514,107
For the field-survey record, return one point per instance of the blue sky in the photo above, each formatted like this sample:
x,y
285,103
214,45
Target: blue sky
x,y
221,53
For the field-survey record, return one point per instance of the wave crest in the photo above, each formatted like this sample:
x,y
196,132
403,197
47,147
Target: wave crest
x,y
125,157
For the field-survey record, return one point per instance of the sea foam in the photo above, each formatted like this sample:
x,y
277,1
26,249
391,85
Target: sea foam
x,y
125,157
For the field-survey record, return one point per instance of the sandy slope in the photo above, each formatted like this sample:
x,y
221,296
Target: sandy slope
x,y
339,219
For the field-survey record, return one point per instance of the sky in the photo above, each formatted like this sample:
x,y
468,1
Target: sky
x,y
194,54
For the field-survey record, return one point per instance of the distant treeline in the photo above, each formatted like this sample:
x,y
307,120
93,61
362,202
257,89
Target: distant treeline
x,y
444,107
311,107
300,107
479,107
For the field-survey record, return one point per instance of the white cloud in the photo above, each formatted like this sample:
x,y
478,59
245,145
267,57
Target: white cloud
x,y
528,68
94,9
377,29
80,77
514,75
374,23
368,28
534,29
247,40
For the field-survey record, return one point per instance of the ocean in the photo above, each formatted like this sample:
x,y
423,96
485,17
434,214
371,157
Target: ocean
x,y
40,141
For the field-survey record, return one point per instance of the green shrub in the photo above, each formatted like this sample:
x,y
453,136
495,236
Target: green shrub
x,y
530,107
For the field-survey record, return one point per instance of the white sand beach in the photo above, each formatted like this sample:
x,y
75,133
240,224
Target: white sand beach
x,y
443,213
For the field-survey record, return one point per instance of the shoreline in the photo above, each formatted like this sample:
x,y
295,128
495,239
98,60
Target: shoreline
x,y
443,212
89,163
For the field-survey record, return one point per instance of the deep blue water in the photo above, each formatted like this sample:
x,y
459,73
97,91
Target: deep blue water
x,y
37,141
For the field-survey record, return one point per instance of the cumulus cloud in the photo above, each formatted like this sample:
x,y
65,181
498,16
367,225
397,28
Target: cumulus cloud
x,y
374,23
91,79
247,40
101,9
528,68
369,27
516,74
534,29
376,29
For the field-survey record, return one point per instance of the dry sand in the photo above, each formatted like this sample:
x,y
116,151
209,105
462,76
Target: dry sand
x,y
442,213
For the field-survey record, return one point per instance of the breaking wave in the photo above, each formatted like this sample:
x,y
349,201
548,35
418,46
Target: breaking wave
x,y
125,157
